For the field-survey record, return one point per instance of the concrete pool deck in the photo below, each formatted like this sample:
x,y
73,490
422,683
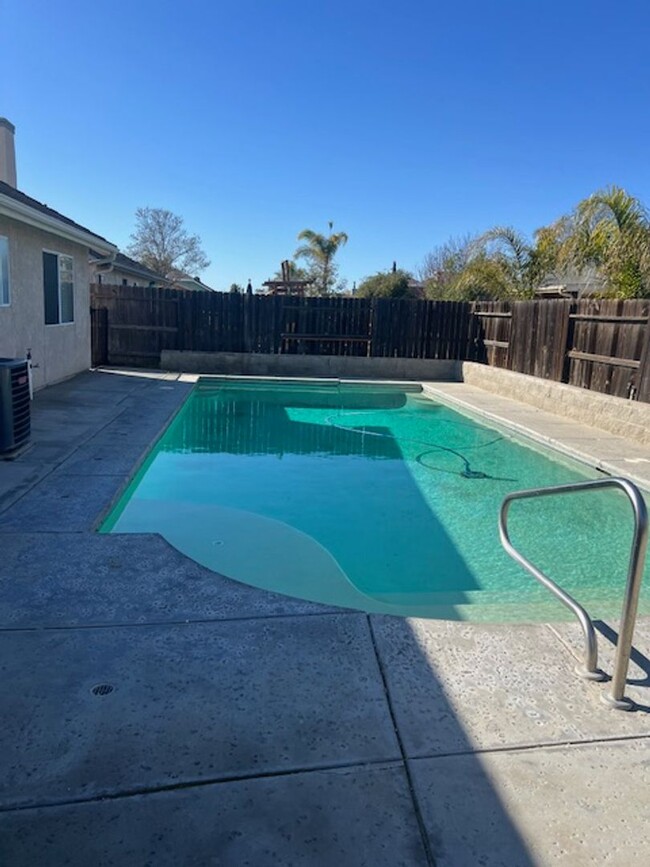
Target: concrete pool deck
x,y
157,713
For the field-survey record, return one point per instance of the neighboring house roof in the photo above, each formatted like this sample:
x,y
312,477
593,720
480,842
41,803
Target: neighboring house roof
x,y
192,283
555,291
571,283
19,206
124,263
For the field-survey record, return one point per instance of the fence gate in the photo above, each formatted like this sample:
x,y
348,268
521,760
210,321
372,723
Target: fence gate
x,y
131,325
99,336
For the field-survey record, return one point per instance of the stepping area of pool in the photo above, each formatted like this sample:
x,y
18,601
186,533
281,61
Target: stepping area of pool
x,y
157,713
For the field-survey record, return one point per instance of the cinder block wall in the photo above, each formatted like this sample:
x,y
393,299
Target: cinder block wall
x,y
259,364
628,418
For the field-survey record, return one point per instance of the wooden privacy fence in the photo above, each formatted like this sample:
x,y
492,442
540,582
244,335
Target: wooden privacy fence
x,y
597,344
141,322
600,345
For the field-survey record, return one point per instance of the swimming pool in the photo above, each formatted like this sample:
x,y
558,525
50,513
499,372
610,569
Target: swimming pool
x,y
374,497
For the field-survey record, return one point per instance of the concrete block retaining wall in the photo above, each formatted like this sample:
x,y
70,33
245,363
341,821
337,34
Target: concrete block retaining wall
x,y
258,364
627,418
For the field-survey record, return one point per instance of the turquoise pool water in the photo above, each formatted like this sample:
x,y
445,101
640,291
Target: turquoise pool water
x,y
373,497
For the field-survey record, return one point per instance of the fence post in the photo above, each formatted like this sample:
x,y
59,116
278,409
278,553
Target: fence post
x,y
278,322
246,323
568,342
180,323
372,325
475,333
643,378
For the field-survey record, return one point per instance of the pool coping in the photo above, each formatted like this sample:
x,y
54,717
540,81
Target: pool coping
x,y
541,426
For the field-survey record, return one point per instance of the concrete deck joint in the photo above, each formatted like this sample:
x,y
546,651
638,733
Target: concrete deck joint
x,y
131,624
416,805
200,783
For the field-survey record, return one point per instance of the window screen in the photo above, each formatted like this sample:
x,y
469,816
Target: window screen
x,y
66,289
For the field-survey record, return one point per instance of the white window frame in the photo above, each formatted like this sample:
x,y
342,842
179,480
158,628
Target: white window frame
x,y
6,302
58,287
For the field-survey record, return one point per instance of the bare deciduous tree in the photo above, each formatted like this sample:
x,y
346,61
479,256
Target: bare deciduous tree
x,y
161,242
442,266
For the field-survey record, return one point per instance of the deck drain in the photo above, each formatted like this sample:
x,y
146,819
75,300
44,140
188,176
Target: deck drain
x,y
102,689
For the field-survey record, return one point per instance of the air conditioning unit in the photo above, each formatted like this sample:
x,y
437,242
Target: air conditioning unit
x,y
15,408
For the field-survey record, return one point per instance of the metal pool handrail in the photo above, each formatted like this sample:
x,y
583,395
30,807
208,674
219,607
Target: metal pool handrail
x,y
616,697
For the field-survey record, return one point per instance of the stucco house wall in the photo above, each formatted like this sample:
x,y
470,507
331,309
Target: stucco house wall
x,y
32,228
59,351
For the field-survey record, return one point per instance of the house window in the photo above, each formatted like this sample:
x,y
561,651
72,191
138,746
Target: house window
x,y
5,298
58,288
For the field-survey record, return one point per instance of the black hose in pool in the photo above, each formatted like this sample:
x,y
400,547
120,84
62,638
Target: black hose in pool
x,y
466,473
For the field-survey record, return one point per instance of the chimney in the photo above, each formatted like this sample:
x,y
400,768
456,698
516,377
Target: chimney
x,y
7,152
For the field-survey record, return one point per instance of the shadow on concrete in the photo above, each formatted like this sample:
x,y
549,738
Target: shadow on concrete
x,y
636,657
463,818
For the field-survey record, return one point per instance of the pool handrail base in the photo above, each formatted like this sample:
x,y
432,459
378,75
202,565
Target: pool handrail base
x,y
590,671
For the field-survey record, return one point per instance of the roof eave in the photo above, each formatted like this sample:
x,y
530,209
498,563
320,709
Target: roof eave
x,y
25,214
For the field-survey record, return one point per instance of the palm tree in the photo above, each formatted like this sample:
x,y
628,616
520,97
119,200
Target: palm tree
x,y
502,264
319,251
516,257
605,241
608,232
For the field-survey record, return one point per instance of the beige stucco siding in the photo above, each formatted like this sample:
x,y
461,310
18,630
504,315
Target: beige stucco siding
x,y
59,350
116,276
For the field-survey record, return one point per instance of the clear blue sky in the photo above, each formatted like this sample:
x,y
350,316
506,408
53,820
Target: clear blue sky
x,y
253,119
